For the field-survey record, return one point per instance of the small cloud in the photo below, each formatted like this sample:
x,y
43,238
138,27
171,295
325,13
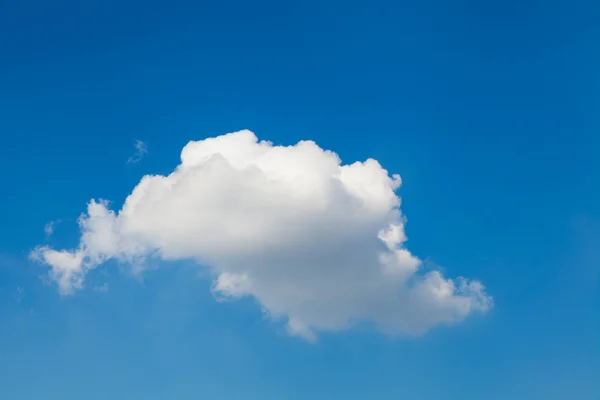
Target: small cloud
x,y
140,151
102,288
20,294
50,227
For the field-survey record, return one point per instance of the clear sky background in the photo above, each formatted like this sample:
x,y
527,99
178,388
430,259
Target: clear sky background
x,y
489,110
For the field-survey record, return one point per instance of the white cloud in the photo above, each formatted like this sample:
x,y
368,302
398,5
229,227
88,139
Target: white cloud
x,y
140,151
317,243
49,228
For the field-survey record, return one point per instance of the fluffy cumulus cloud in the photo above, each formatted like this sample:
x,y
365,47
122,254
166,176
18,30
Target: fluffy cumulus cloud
x,y
319,244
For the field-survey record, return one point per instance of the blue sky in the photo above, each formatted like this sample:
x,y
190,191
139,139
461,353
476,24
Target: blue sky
x,y
488,111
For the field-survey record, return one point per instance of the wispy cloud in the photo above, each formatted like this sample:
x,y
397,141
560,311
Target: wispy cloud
x,y
102,288
19,295
140,151
49,228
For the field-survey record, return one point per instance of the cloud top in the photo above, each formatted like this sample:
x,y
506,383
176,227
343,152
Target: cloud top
x,y
317,243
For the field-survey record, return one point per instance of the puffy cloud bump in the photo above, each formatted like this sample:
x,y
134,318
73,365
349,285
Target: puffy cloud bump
x,y
317,243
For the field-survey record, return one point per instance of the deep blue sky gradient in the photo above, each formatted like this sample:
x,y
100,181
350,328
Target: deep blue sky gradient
x,y
489,110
